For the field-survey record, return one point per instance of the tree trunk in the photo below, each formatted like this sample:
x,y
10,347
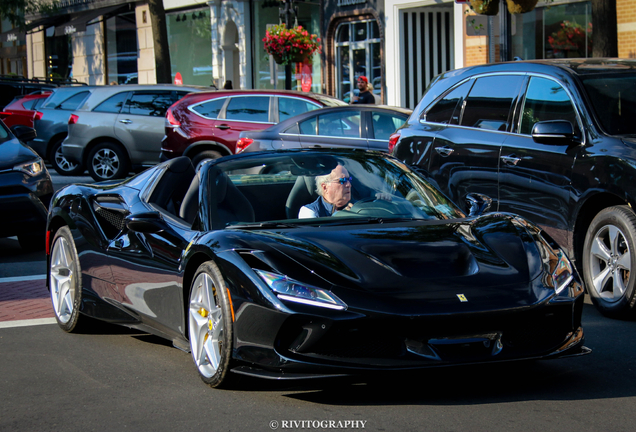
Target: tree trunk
x,y
604,33
160,41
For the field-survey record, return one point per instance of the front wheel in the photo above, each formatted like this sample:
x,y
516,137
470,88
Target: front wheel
x,y
65,281
609,255
210,325
107,161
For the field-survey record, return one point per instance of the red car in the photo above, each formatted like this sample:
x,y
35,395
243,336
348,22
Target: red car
x,y
207,125
23,111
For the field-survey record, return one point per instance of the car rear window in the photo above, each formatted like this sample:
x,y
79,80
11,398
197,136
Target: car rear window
x,y
252,109
113,104
489,101
73,102
209,109
613,97
290,107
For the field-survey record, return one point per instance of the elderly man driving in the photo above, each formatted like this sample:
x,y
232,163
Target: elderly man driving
x,y
334,192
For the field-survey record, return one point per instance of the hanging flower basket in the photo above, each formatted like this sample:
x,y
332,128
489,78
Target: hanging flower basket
x,y
294,45
521,6
485,7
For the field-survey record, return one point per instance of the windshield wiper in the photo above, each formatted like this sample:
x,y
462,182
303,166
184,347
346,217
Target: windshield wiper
x,y
262,225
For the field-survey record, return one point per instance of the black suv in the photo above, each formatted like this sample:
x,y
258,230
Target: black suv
x,y
551,140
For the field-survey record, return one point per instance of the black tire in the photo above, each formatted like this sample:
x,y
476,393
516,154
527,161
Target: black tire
x,y
62,165
607,263
107,161
206,155
32,242
65,281
210,326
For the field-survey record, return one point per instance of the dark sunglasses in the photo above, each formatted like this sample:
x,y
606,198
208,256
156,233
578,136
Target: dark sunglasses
x,y
343,180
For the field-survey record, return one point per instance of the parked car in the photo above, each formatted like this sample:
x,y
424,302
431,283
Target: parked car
x,y
211,261
51,125
25,188
207,125
352,126
119,128
23,111
552,140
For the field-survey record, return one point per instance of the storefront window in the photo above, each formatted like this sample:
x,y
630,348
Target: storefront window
x,y
121,48
269,75
562,31
190,40
358,50
59,56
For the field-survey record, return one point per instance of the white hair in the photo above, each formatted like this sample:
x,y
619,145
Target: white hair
x,y
320,180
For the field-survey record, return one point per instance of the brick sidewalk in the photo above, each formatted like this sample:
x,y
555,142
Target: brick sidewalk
x,y
25,299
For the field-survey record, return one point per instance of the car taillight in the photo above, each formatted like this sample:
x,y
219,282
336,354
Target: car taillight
x,y
73,119
243,143
393,139
38,115
170,120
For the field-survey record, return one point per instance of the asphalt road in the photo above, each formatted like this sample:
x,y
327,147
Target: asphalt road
x,y
115,379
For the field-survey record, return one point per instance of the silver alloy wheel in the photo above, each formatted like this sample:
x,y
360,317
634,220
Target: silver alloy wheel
x,y
62,162
105,163
61,277
206,326
610,260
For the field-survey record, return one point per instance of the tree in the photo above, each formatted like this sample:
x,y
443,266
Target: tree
x,y
160,41
605,28
15,10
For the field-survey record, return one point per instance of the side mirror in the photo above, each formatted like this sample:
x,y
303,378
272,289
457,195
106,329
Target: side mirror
x,y
478,204
23,133
150,222
558,132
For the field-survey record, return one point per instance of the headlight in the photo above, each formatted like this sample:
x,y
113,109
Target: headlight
x,y
31,168
292,290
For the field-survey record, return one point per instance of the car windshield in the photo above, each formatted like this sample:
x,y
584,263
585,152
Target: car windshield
x,y
274,186
613,97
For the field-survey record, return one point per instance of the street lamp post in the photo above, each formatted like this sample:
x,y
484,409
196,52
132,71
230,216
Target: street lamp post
x,y
288,14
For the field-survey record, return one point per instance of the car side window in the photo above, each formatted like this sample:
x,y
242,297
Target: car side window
x,y
489,101
153,104
448,109
546,100
339,124
252,109
38,103
113,104
290,107
308,127
73,102
385,124
209,109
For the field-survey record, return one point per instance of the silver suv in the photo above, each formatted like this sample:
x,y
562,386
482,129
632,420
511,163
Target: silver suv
x,y
119,128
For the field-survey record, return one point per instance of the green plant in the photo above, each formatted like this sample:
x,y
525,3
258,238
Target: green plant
x,y
290,45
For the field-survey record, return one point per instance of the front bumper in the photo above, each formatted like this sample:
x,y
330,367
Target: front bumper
x,y
24,202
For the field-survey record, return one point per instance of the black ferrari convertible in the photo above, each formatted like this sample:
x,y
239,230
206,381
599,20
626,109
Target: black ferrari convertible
x,y
392,277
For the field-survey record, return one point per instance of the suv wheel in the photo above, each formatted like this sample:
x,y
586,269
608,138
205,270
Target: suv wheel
x,y
107,161
609,255
62,165
199,159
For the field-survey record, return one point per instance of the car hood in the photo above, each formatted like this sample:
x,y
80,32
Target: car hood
x,y
481,264
12,152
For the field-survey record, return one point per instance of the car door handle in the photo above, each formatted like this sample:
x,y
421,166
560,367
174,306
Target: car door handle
x,y
444,151
510,160
222,127
125,121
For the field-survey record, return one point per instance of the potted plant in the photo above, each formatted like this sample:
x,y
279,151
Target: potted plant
x,y
521,6
485,7
290,45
